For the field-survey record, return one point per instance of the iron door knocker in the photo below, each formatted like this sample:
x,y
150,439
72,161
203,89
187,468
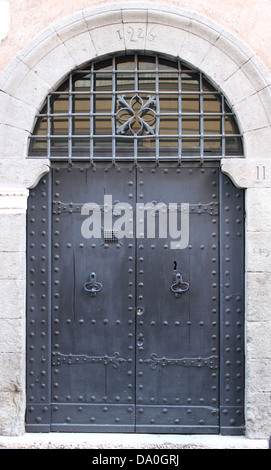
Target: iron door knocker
x,y
93,287
179,286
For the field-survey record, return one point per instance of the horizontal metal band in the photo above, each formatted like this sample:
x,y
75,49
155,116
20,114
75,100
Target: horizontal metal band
x,y
67,359
154,361
210,208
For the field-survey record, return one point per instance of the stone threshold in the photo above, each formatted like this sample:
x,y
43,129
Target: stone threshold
x,y
128,441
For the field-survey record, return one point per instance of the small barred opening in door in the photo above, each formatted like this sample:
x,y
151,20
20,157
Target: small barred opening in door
x,y
125,332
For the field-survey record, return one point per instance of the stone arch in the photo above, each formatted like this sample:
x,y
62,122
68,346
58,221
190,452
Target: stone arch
x,y
91,33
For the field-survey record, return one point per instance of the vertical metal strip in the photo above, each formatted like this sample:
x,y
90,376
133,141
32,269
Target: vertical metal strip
x,y
70,120
136,92
113,110
136,270
179,112
91,130
232,272
48,128
222,130
157,109
49,276
201,121
38,377
220,182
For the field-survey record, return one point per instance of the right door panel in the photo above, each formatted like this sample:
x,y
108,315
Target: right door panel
x,y
177,326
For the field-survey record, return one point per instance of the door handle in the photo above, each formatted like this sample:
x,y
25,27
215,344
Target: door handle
x,y
92,286
179,286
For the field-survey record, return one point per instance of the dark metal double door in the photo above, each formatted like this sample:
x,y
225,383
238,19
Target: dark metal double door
x,y
133,347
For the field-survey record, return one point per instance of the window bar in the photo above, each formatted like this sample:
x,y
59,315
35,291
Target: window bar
x,y
113,110
136,92
48,128
223,143
70,121
91,119
179,113
201,122
157,109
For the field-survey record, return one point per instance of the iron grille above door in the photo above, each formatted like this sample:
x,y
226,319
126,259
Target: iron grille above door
x,y
136,107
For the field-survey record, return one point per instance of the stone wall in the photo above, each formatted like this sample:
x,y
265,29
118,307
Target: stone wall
x,y
47,40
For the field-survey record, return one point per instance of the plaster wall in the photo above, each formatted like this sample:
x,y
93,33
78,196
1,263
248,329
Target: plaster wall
x,y
46,40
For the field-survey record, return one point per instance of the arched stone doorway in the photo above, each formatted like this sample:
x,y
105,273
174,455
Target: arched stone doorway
x,y
30,77
147,320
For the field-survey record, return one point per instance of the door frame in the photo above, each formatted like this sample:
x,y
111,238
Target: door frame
x,y
39,307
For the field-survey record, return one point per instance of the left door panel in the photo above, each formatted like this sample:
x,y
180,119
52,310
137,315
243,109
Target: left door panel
x,y
92,333
92,304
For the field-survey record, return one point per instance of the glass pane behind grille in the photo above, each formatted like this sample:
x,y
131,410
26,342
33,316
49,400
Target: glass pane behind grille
x,y
135,106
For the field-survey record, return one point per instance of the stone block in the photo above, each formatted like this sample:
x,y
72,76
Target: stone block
x,y
67,30
237,87
32,90
81,48
108,39
13,201
69,23
135,35
258,376
20,115
265,97
257,73
218,65
164,39
17,174
34,169
12,76
248,172
181,21
12,294
11,372
14,142
12,232
194,49
258,415
258,297
12,412
12,335
258,390
103,19
258,142
4,100
135,15
12,265
251,113
234,42
258,252
259,346
46,70
258,209
42,46
209,31
227,44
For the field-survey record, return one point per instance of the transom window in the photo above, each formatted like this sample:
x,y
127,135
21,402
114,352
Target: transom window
x,y
134,107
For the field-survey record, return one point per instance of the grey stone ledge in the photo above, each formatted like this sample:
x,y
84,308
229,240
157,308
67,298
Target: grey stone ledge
x,y
129,441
